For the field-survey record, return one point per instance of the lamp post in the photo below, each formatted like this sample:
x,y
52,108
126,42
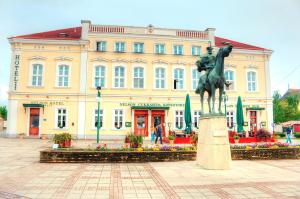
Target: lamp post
x,y
98,113
225,97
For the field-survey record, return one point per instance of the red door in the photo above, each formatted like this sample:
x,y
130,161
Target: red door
x,y
34,121
141,122
158,116
253,122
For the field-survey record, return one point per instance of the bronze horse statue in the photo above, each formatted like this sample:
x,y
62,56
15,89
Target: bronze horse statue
x,y
214,80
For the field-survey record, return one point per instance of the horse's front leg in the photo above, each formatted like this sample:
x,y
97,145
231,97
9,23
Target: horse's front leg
x,y
201,97
213,96
221,90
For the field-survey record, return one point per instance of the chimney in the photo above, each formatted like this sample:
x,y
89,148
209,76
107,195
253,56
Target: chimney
x,y
211,35
85,24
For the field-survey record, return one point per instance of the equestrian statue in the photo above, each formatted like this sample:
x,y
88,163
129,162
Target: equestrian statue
x,y
214,76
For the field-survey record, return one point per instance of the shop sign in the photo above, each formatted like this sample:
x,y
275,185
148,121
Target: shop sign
x,y
16,72
49,103
127,124
247,106
152,104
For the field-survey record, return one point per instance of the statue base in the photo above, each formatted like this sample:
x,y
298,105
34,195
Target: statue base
x,y
213,150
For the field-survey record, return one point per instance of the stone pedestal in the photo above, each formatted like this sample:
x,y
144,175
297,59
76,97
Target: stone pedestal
x,y
213,151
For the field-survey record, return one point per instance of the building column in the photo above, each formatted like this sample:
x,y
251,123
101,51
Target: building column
x,y
149,123
269,103
81,119
12,118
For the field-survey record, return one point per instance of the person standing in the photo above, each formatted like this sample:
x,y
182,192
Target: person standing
x,y
152,134
288,135
158,133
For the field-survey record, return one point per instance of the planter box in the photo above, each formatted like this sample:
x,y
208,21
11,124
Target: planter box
x,y
59,156
80,156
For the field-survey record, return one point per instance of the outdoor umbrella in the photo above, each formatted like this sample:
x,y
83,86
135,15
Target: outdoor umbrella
x,y
239,115
187,115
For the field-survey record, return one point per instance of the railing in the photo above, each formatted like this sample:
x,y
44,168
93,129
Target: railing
x,y
192,34
106,29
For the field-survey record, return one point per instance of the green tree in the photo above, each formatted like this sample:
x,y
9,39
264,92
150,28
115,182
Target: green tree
x,y
3,112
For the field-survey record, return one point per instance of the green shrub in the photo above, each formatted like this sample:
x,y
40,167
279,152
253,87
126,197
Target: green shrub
x,y
297,134
279,134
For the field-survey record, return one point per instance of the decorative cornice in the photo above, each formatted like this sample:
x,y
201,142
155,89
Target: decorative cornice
x,y
251,66
179,63
230,66
99,59
37,58
63,58
138,61
120,60
46,41
159,61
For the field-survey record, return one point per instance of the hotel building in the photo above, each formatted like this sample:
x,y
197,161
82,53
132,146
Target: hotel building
x,y
54,75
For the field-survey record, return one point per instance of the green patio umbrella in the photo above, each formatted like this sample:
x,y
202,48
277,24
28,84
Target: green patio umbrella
x,y
187,115
239,115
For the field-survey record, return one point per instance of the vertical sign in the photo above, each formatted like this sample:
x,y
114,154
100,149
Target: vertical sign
x,y
16,72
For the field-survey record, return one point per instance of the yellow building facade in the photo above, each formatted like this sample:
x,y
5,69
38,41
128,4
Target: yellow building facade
x,y
54,76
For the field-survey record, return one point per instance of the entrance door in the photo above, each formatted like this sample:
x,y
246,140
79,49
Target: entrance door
x,y
34,121
141,122
159,117
253,122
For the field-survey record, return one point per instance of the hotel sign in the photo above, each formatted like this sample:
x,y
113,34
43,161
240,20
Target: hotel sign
x,y
152,104
16,72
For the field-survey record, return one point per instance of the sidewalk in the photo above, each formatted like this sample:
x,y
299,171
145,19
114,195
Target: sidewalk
x,y
21,175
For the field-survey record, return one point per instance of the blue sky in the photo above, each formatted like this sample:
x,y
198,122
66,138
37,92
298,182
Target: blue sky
x,y
272,24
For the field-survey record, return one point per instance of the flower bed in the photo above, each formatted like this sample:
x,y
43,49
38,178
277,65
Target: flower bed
x,y
102,154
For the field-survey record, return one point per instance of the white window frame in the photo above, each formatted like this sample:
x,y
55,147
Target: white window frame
x,y
94,75
113,119
197,116
125,76
141,47
200,49
164,49
144,76
115,47
56,118
233,116
183,79
69,75
175,116
234,79
256,81
177,45
94,118
166,77
192,80
101,48
31,73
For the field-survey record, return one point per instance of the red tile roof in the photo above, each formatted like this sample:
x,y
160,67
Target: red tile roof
x,y
75,34
61,34
239,45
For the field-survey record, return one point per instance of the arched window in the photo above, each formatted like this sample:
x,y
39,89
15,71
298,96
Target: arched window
x,y
100,76
252,81
229,77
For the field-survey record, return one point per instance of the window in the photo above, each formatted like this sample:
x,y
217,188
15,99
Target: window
x,y
230,119
120,47
99,76
229,77
196,50
251,78
119,79
178,50
63,75
37,75
195,78
160,48
178,77
197,115
96,118
118,118
61,118
101,46
138,47
179,119
138,77
160,78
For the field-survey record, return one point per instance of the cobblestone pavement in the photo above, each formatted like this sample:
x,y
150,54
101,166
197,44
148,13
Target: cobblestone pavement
x,y
22,176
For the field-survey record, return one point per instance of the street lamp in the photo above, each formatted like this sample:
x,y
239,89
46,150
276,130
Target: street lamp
x,y
98,114
225,97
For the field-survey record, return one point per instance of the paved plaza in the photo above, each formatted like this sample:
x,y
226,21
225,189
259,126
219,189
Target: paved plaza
x,y
22,176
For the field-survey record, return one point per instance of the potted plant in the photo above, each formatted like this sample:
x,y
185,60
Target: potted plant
x,y
67,137
236,139
194,138
58,139
21,135
171,139
133,140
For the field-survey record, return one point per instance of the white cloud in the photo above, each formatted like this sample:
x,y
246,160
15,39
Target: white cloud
x,y
3,94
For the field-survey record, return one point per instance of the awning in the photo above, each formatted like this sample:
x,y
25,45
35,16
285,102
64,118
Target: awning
x,y
33,106
151,107
255,108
